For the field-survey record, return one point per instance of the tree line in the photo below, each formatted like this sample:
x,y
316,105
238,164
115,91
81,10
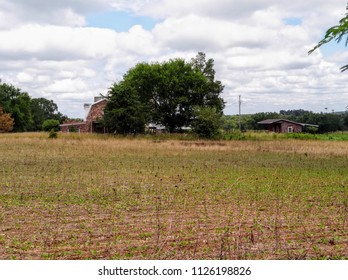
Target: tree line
x,y
179,94
328,122
175,94
20,113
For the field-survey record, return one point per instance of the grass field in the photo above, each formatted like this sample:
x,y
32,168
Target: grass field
x,y
95,197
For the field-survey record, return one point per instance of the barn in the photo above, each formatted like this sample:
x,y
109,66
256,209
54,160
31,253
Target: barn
x,y
284,126
94,113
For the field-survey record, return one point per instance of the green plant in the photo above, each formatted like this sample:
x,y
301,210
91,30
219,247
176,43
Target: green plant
x,y
207,122
73,129
236,136
311,129
50,124
140,198
53,134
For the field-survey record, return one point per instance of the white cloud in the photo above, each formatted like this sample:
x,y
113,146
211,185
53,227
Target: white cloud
x,y
68,86
174,8
66,12
24,77
57,43
47,50
193,32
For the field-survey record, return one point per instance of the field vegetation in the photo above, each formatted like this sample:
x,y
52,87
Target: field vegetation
x,y
103,197
266,136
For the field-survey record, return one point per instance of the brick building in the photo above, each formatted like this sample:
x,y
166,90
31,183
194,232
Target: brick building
x,y
94,113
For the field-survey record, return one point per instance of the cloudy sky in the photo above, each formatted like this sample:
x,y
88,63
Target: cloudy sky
x,y
71,50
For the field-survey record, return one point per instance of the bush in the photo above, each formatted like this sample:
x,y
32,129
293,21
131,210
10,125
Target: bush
x,y
6,122
236,136
311,129
53,134
73,129
207,122
50,124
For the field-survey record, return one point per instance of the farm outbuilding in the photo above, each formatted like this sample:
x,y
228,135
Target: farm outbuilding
x,y
284,126
94,112
72,126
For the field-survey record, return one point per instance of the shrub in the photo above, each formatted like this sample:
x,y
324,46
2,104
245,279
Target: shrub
x,y
311,129
6,122
50,124
73,129
207,122
237,135
53,134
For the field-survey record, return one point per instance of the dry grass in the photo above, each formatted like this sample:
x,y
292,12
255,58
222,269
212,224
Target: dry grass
x,y
94,197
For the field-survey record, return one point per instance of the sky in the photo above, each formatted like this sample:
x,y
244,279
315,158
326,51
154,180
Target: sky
x,y
69,51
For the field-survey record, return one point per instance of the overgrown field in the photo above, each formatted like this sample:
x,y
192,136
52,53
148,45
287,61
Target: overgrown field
x,y
94,197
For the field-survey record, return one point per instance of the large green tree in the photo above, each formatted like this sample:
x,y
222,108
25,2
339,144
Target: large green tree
x,y
43,109
124,112
166,93
17,103
337,32
213,88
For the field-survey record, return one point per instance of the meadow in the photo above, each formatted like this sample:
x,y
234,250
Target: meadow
x,y
99,197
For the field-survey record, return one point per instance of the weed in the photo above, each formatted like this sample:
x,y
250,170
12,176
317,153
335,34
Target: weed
x,y
145,235
53,134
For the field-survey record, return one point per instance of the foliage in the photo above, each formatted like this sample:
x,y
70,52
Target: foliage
x,y
124,113
213,87
244,198
177,90
207,122
6,122
164,93
53,134
311,129
231,123
328,122
345,120
50,124
271,136
43,109
73,129
337,32
28,114
260,117
236,135
16,103
71,120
